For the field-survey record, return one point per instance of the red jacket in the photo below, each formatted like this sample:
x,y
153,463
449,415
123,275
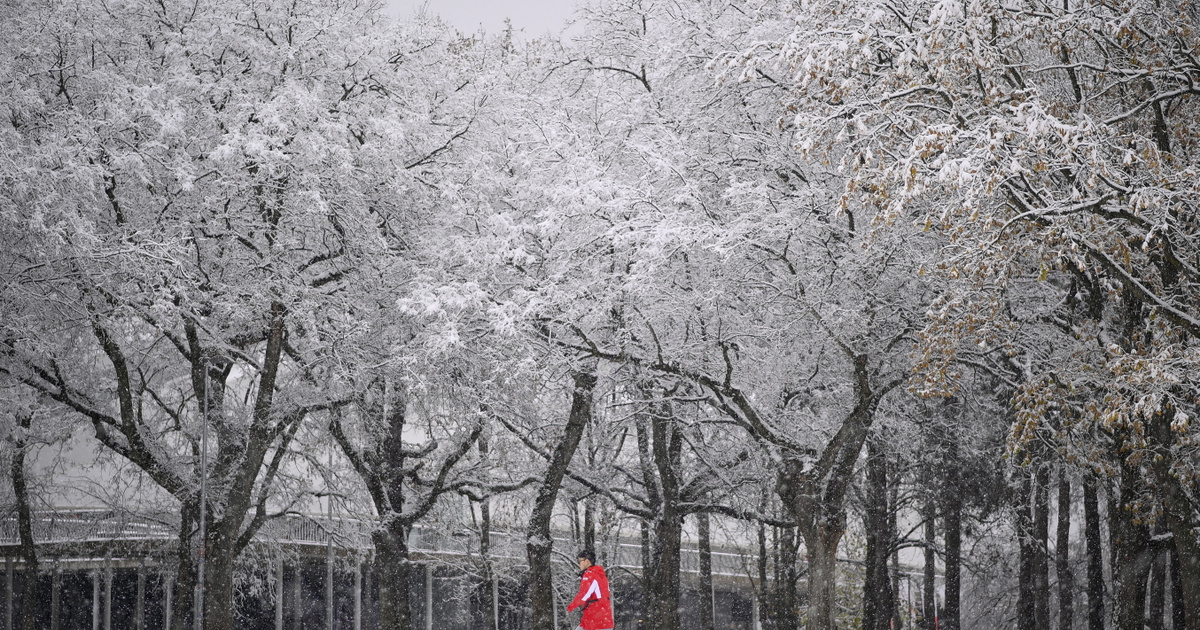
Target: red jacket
x,y
593,596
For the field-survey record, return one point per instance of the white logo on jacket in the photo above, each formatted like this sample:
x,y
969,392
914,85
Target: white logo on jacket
x,y
594,588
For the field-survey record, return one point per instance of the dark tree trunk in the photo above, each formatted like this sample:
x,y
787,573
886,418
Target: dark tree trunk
x,y
893,538
1178,609
1041,531
1177,510
878,599
183,602
589,524
821,543
383,468
647,571
787,614
815,498
1062,564
928,587
952,519
1156,609
487,598
394,571
1131,554
538,544
1094,546
1027,550
28,549
764,594
704,542
662,480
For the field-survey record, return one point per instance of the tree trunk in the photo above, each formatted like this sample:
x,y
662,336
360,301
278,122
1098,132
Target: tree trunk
x,y
928,587
647,572
1062,564
821,543
183,602
704,542
1177,509
487,598
878,600
765,601
538,544
1178,608
1026,543
1156,609
1094,546
893,540
393,570
952,519
1041,530
787,615
28,548
218,578
666,447
815,498
589,523
1131,554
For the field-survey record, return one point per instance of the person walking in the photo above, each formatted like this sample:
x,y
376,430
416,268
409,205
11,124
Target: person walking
x,y
593,594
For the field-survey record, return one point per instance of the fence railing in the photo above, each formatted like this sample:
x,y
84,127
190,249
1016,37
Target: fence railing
x,y
98,526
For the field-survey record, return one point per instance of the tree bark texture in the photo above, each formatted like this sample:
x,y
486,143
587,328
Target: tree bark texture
x,y
821,543
383,467
28,549
395,573
660,467
704,543
1156,608
1178,609
538,544
486,597
183,602
1094,548
878,599
787,615
1062,564
1178,511
815,498
952,519
951,508
1041,530
1131,554
928,586
1027,550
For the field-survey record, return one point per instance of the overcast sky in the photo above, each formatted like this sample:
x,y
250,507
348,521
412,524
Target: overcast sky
x,y
535,17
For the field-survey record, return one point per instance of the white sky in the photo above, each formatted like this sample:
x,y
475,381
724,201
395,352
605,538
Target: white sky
x,y
534,17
